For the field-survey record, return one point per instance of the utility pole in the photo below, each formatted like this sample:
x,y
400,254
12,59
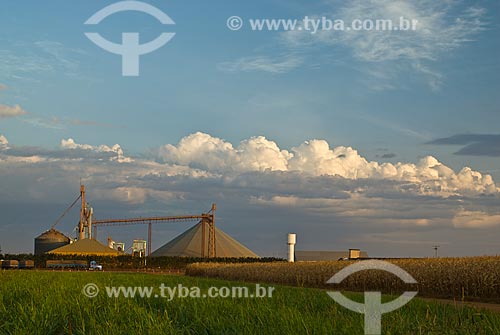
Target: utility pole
x,y
436,247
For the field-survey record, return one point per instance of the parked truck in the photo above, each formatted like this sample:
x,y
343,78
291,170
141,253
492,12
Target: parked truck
x,y
94,266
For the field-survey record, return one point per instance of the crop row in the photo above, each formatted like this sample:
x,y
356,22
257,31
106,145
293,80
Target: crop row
x,y
471,278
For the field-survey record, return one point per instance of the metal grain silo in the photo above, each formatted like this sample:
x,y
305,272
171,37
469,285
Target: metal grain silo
x,y
50,240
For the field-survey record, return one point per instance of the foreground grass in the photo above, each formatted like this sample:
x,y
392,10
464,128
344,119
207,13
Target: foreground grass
x,y
40,302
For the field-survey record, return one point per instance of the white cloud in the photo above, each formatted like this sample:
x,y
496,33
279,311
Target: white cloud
x,y
429,176
72,145
38,58
11,111
262,63
200,150
316,158
443,27
4,143
437,32
60,53
314,176
475,219
259,154
44,122
201,155
203,151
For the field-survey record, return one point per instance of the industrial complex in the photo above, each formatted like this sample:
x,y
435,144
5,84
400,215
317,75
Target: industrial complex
x,y
201,240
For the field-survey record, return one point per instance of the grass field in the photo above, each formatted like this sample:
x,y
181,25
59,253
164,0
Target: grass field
x,y
43,302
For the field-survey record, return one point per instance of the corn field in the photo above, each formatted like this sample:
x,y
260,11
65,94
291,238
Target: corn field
x,y
471,278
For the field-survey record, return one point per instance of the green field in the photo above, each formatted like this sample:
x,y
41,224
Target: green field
x,y
43,302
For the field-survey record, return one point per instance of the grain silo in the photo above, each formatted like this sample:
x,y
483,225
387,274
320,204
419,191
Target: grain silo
x,y
50,240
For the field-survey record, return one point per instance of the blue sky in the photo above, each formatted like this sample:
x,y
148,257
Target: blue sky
x,y
392,105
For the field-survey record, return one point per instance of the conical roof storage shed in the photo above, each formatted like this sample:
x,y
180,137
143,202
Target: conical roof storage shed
x,y
86,247
189,244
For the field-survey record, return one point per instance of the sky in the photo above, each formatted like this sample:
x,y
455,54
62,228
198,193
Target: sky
x,y
387,141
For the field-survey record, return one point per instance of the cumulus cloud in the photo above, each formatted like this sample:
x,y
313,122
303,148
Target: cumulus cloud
x,y
428,175
316,158
11,111
116,149
203,151
4,144
260,161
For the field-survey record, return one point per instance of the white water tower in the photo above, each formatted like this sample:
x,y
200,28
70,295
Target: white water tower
x,y
292,239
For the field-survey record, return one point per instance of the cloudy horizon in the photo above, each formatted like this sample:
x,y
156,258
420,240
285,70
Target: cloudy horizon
x,y
313,188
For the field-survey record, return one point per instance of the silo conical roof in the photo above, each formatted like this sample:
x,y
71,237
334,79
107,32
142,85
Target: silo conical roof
x,y
53,235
